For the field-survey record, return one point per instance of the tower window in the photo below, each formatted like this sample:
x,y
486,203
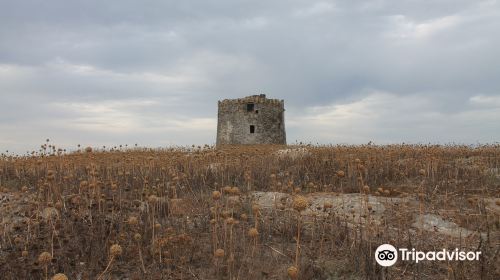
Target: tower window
x,y
250,107
252,129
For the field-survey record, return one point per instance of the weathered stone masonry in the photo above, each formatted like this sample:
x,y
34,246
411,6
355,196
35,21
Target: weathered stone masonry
x,y
251,120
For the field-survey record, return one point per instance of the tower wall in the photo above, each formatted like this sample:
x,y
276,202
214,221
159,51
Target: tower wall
x,y
236,116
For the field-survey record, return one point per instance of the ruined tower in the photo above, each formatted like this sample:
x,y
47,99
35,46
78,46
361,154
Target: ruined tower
x,y
251,120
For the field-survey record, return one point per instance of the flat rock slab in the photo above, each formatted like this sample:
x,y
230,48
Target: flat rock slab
x,y
435,223
355,208
360,209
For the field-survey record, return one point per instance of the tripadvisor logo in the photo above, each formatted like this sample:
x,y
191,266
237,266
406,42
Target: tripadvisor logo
x,y
387,255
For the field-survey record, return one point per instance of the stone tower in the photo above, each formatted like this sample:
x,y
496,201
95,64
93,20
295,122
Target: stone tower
x,y
251,120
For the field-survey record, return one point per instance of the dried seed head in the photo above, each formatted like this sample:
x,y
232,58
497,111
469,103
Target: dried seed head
x,y
18,240
219,253
366,189
115,250
137,237
84,184
44,258
59,276
153,199
216,195
58,205
253,232
133,221
255,209
225,214
299,203
235,190
340,174
292,272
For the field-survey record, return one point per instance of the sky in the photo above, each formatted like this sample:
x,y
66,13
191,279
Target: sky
x,y
151,72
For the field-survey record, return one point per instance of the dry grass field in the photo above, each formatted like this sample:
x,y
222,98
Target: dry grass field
x,y
256,212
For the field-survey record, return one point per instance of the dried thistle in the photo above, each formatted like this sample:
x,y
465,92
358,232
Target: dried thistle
x,y
115,250
216,195
253,233
299,203
44,258
292,272
219,253
59,276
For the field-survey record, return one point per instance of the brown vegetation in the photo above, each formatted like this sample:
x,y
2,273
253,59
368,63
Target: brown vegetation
x,y
193,213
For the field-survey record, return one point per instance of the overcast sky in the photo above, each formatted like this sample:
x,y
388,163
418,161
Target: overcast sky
x,y
150,72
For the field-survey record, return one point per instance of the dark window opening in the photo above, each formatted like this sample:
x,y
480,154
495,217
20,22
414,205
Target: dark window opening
x,y
252,129
250,107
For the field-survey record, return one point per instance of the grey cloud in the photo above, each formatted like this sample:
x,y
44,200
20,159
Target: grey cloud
x,y
185,55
